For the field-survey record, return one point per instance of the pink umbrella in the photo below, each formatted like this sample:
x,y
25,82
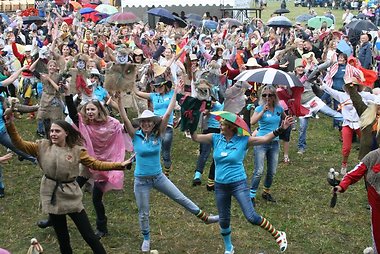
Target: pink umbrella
x,y
124,18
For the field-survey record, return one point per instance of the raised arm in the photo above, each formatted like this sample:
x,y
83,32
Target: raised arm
x,y
13,77
202,138
169,110
141,94
123,114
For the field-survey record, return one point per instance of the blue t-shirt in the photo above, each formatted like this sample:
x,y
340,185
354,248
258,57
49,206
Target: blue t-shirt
x,y
161,103
147,154
100,93
212,122
338,79
269,121
229,157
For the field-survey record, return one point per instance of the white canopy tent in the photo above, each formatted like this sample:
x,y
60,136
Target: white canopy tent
x,y
183,3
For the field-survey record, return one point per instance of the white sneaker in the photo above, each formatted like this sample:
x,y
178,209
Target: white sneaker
x,y
343,171
212,219
282,242
230,251
145,246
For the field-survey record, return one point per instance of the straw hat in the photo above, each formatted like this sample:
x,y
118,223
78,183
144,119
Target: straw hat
x,y
147,115
252,62
158,69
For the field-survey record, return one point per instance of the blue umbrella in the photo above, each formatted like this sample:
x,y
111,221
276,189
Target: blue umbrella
x,y
193,16
304,17
161,12
210,24
86,10
5,18
344,47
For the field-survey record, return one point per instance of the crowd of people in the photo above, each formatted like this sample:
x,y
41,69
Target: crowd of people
x,y
88,76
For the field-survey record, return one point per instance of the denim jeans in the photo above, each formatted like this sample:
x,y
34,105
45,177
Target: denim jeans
x,y
270,151
1,178
239,190
204,151
6,141
142,187
166,146
304,122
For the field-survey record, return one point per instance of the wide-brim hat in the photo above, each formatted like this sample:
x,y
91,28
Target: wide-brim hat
x,y
308,55
138,51
158,69
162,81
252,62
147,115
95,71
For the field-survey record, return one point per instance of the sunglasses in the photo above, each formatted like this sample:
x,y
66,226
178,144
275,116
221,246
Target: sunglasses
x,y
267,95
160,84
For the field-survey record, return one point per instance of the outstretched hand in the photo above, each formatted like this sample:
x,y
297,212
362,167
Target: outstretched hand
x,y
289,120
6,158
336,189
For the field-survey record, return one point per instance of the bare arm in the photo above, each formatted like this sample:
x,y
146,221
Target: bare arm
x,y
13,77
127,123
169,110
141,94
202,138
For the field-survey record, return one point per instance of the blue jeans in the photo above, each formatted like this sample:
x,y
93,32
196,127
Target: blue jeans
x,y
1,178
304,122
142,187
6,141
239,190
166,146
270,151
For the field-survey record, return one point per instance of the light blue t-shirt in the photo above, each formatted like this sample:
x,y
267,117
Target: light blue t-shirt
x,y
100,93
229,157
161,103
269,121
148,152
212,122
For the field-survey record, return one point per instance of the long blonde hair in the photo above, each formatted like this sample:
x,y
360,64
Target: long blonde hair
x,y
368,116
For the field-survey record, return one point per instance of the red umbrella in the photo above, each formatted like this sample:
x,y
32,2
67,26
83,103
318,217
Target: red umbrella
x,y
334,33
68,20
29,12
124,18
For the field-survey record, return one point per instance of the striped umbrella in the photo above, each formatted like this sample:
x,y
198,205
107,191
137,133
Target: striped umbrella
x,y
243,128
269,76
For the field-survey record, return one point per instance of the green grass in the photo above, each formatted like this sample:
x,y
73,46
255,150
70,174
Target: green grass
x,y
301,190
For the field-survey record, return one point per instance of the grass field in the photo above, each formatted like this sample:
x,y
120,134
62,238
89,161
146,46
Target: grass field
x,y
301,190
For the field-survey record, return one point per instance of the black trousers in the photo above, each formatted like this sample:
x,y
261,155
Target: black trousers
x,y
83,224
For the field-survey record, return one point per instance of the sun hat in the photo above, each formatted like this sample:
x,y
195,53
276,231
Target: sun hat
x,y
95,71
252,62
158,69
138,52
193,57
162,81
147,115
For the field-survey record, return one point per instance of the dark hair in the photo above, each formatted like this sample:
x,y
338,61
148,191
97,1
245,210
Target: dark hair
x,y
343,55
73,136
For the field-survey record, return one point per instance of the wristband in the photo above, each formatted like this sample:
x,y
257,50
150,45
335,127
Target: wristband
x,y
278,131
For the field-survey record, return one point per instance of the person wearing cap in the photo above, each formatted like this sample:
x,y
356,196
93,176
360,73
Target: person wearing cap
x,y
229,151
160,100
147,140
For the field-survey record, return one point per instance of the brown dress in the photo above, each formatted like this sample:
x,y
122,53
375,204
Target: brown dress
x,y
59,192
51,105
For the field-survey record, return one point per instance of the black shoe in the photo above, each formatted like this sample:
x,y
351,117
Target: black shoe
x,y
210,187
100,234
268,197
197,181
44,223
2,192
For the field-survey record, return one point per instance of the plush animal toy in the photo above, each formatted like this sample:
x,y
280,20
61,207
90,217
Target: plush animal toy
x,y
79,75
35,247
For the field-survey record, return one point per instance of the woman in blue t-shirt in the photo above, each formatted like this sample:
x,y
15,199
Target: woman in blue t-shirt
x,y
231,179
160,101
148,173
268,114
